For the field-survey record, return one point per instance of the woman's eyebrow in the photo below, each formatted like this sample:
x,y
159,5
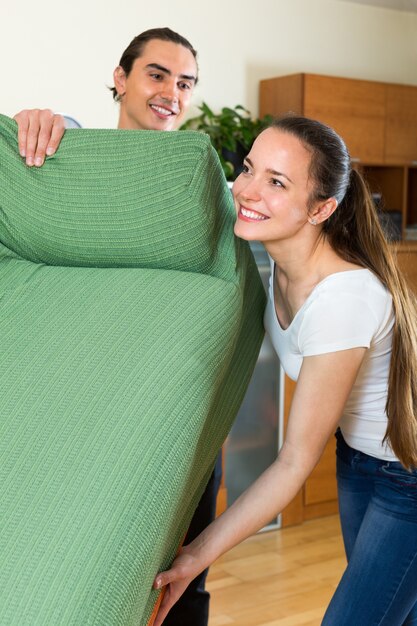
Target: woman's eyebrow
x,y
270,171
275,173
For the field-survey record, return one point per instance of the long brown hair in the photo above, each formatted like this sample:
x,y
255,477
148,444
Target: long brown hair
x,y
355,233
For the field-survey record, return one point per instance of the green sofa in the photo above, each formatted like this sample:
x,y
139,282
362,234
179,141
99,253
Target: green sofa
x,y
130,323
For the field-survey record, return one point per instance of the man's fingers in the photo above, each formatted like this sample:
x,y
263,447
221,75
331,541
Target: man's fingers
x,y
22,120
36,119
58,130
39,134
50,130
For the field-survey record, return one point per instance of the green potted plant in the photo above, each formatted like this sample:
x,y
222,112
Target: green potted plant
x,y
232,132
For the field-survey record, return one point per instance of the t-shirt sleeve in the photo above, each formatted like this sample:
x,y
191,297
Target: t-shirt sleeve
x,y
332,323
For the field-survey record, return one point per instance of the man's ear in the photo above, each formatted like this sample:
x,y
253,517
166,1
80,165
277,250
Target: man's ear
x,y
119,77
322,211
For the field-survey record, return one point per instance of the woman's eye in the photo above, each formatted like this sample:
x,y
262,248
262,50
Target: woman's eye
x,y
275,182
245,169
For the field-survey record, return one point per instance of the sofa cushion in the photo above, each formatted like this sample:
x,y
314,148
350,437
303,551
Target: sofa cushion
x,y
131,319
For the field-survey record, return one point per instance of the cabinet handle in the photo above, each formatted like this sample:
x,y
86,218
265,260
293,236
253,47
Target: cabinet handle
x,y
413,162
355,160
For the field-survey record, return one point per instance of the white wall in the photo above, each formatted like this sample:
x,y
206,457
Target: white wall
x,y
62,55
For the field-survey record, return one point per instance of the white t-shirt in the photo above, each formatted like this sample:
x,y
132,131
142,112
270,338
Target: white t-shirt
x,y
348,309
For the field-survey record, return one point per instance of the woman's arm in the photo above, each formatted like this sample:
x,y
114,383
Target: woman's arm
x,y
322,390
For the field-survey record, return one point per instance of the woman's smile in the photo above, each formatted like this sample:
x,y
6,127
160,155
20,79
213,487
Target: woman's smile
x,y
249,215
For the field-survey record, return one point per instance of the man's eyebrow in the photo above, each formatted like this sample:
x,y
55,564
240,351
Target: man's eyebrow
x,y
269,171
165,70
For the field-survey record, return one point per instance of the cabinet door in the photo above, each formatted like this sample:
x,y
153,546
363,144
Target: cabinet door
x,y
407,262
401,124
354,108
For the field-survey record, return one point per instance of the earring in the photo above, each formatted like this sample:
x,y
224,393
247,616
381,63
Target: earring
x,y
313,221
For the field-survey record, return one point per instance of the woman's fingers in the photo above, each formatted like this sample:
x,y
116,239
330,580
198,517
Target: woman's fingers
x,y
172,593
175,581
165,578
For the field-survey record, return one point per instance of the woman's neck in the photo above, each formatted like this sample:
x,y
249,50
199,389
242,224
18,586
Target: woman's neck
x,y
308,262
298,269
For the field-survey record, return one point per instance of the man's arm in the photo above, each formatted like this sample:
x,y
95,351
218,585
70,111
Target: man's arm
x,y
39,134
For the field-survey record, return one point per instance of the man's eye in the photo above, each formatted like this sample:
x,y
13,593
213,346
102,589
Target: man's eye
x,y
156,76
184,86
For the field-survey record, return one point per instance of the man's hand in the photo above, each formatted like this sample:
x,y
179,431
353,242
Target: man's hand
x,y
39,134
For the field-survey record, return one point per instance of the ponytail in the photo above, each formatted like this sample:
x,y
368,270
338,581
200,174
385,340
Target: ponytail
x,y
354,231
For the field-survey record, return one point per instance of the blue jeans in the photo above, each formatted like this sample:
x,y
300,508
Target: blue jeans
x,y
378,513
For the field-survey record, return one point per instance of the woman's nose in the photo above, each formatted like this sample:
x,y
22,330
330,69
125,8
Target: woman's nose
x,y
251,190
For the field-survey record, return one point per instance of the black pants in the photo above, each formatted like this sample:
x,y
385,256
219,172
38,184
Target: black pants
x,y
192,609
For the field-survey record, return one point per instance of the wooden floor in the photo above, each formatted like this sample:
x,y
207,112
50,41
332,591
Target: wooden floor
x,y
279,578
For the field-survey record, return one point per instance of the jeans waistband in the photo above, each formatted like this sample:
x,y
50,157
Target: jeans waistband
x,y
355,458
349,455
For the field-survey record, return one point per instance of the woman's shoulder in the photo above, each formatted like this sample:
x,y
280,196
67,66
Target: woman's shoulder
x,y
355,294
359,281
347,309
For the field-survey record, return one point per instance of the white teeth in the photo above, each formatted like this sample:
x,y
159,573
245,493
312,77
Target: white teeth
x,y
253,215
161,110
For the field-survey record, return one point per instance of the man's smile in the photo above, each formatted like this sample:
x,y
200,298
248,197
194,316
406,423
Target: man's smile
x,y
162,110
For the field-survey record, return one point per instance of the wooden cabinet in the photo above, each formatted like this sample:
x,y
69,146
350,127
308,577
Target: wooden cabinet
x,y
411,196
401,124
378,121
407,261
354,108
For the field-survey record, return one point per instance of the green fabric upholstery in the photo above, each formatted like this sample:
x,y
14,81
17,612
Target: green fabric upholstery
x,y
130,323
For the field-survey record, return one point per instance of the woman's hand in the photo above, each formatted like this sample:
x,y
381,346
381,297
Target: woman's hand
x,y
176,580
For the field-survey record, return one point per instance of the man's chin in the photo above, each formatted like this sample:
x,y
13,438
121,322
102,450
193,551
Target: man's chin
x,y
170,122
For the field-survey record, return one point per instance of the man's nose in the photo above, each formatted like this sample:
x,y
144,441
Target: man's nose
x,y
169,91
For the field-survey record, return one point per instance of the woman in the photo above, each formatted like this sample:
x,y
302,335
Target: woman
x,y
344,326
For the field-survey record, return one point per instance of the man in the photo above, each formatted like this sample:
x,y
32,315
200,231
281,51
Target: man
x,y
153,84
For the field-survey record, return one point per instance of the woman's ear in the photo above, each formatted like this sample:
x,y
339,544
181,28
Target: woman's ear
x,y
119,77
322,211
